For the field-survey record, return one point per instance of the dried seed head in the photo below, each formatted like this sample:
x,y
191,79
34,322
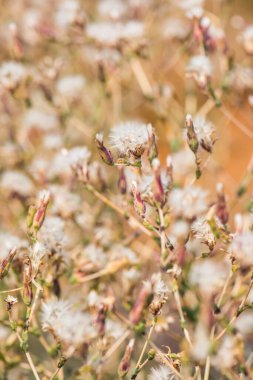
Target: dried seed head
x,y
130,138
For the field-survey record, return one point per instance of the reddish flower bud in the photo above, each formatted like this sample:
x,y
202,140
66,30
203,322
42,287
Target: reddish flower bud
x,y
27,282
105,154
6,263
122,183
221,205
125,361
157,184
139,205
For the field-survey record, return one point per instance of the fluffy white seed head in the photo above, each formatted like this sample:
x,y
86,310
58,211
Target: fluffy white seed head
x,y
130,137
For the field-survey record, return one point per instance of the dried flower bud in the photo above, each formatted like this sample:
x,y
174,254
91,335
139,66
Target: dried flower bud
x,y
27,282
10,300
39,215
157,187
221,205
122,182
140,304
139,205
152,150
105,154
6,263
30,216
125,361
191,134
169,170
100,319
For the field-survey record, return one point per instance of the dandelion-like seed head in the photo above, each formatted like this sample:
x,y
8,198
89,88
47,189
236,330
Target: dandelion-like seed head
x,y
130,138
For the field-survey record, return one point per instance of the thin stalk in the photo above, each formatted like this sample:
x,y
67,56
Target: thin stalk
x,y
220,335
146,343
181,315
133,223
162,235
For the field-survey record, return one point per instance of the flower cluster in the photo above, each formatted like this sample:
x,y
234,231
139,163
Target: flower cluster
x,y
126,241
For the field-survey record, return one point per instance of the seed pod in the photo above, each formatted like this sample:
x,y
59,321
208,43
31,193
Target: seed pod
x,y
27,282
139,205
104,153
221,205
6,263
157,184
100,319
39,215
140,304
191,134
122,183
125,361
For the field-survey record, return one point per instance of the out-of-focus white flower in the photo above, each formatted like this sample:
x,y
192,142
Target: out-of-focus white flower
x,y
12,74
52,141
241,78
247,39
14,181
188,202
242,248
227,352
31,19
200,68
36,118
64,202
244,322
130,137
183,163
179,230
71,86
176,28
189,4
109,57
114,9
8,242
114,329
95,254
201,343
62,162
119,252
208,275
109,33
162,373
202,231
132,274
4,333
68,13
205,132
52,311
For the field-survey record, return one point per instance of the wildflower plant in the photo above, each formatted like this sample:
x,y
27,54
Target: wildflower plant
x,y
126,235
